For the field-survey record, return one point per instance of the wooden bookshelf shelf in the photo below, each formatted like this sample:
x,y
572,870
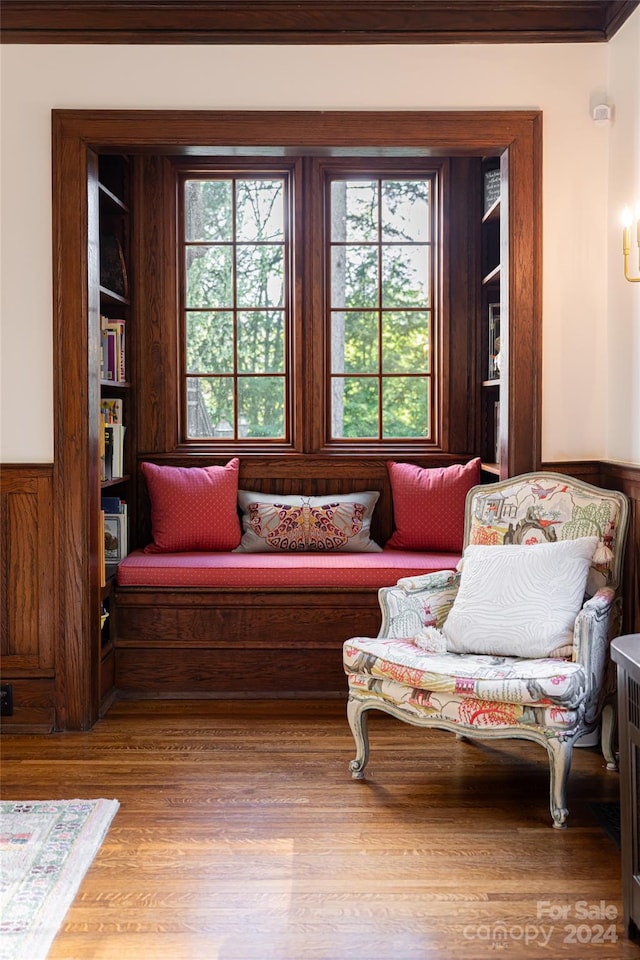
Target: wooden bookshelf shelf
x,y
112,235
493,213
491,369
107,294
492,277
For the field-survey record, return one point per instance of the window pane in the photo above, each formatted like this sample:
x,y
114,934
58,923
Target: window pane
x,y
405,407
261,405
355,407
209,276
259,210
210,408
209,342
405,210
405,276
354,342
208,210
405,342
261,341
354,211
354,277
260,275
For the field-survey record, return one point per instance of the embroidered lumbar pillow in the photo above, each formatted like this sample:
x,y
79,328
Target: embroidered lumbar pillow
x,y
339,522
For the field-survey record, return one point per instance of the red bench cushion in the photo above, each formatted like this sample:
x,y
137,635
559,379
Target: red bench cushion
x,y
353,570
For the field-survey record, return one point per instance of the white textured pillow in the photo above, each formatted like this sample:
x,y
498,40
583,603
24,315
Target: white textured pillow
x,y
334,523
519,600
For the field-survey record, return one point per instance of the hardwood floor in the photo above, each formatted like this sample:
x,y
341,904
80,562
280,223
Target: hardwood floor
x,y
241,836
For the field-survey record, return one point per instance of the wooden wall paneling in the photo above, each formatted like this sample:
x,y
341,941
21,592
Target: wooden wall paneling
x,y
77,135
521,297
310,476
76,426
28,570
626,477
28,595
155,304
461,285
282,643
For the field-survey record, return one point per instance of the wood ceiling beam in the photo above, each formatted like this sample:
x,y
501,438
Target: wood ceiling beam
x,y
311,21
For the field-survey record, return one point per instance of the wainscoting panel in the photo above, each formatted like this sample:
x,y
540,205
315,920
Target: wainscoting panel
x,y
27,604
28,597
626,477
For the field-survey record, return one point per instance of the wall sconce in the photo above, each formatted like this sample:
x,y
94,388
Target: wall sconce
x,y
626,241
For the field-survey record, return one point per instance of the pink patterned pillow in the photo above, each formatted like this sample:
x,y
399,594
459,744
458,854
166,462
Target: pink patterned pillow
x,y
428,505
193,508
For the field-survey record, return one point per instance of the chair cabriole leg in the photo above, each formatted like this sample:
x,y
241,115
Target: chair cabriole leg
x,y
560,752
357,717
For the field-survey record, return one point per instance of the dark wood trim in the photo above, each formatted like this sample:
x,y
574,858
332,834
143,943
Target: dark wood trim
x,y
313,21
76,397
616,13
76,137
626,477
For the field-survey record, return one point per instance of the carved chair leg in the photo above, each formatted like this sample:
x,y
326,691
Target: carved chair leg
x,y
560,752
608,723
357,717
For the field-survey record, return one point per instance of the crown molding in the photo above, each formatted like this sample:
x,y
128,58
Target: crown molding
x,y
311,21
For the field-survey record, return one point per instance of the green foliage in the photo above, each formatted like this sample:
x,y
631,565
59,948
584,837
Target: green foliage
x,y
380,300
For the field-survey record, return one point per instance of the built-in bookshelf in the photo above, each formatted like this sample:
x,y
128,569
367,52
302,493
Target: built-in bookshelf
x,y
492,358
115,413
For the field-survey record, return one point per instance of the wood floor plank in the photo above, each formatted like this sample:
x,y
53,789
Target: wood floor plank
x,y
241,836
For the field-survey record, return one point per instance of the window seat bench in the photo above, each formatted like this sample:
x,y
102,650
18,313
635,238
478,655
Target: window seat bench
x,y
238,625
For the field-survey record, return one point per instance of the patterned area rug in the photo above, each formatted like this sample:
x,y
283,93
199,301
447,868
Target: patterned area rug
x,y
45,850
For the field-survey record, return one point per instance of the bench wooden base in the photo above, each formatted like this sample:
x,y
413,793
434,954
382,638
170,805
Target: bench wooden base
x,y
234,643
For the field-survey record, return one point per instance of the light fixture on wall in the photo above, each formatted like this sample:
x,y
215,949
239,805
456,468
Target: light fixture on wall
x,y
627,220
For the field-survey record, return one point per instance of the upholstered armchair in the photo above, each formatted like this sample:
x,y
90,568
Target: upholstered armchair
x,y
515,643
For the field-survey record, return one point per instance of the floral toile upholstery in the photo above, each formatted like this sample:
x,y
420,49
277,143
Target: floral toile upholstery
x,y
552,700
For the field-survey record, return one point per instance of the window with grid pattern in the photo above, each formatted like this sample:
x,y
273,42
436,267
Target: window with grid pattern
x,y
248,376
380,256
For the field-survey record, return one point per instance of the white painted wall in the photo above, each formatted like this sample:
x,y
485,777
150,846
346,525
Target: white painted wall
x,y
560,79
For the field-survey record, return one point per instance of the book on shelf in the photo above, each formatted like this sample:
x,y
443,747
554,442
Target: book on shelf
x,y
112,450
113,505
491,188
101,549
496,430
113,361
115,537
493,342
111,409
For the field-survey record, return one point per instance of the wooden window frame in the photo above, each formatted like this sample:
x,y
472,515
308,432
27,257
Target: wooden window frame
x,y
319,429
308,379
289,169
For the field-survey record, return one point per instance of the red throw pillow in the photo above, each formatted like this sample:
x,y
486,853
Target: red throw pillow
x,y
428,505
193,508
